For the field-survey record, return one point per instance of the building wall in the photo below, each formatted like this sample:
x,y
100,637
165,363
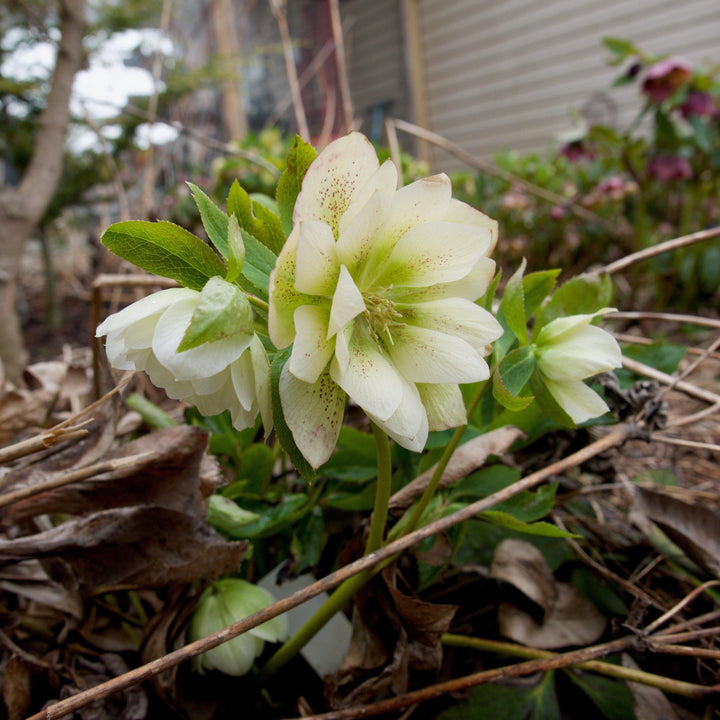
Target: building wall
x,y
509,74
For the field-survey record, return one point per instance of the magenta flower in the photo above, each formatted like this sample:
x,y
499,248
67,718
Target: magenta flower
x,y
664,77
666,168
699,104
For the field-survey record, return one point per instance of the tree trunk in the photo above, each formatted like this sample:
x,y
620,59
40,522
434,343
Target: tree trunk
x,y
22,207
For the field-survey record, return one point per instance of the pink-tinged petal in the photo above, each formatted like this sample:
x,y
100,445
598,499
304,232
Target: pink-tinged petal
x,y
369,378
587,351
284,298
579,401
471,287
384,181
435,252
316,263
332,179
408,425
426,356
312,349
444,405
455,316
347,303
148,309
460,212
314,414
365,240
203,361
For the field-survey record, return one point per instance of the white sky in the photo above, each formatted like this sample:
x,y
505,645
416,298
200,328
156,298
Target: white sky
x,y
104,88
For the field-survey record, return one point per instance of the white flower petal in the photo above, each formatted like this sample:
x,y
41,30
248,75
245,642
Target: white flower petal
x,y
261,372
444,405
369,379
434,252
408,425
317,267
364,242
455,316
222,399
555,330
579,354
423,201
314,414
243,381
332,179
347,303
210,385
427,356
460,212
202,361
579,401
162,377
384,181
312,349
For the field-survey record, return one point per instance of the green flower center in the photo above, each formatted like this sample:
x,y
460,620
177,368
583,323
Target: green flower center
x,y
381,317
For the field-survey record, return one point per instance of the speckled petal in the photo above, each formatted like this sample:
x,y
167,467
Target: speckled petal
x,y
444,405
312,349
316,263
347,303
460,212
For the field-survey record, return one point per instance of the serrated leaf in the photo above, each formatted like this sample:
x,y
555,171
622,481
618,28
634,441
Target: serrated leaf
x,y
506,398
290,183
222,311
214,220
255,218
536,287
166,249
583,294
513,304
516,368
284,433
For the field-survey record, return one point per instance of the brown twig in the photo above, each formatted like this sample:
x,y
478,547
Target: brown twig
x,y
64,707
679,606
340,61
686,650
660,437
493,170
665,317
658,249
70,476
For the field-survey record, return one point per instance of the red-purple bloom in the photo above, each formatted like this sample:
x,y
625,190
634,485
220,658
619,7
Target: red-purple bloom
x,y
664,77
666,168
576,150
699,103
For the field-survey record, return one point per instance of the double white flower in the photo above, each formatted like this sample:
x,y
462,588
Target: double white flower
x,y
569,350
227,374
376,289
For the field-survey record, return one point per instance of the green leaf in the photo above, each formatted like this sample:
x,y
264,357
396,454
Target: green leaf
x,y
536,528
236,250
486,301
516,368
166,249
547,402
485,482
271,518
612,697
307,541
284,433
528,506
581,295
290,183
513,305
214,220
255,218
536,287
227,516
222,311
256,465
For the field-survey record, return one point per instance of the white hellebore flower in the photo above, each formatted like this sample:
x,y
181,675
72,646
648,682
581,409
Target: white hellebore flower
x,y
376,288
223,603
568,350
231,373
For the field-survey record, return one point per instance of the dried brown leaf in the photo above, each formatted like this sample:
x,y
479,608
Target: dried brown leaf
x,y
465,460
17,688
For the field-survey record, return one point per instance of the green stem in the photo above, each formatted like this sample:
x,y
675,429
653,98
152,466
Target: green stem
x,y
257,302
403,527
351,586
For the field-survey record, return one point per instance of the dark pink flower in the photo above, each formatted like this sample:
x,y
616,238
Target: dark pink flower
x,y
666,168
664,77
576,150
700,104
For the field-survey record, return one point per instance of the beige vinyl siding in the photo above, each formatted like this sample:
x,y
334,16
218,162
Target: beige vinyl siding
x,y
508,74
373,35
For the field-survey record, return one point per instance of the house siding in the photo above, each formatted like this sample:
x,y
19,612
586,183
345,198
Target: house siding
x,y
510,74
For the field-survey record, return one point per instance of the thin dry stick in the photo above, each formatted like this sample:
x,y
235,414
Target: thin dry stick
x,y
641,340
70,476
675,637
394,146
681,385
690,419
666,317
278,8
686,650
493,170
689,369
659,437
137,675
341,63
679,606
487,676
690,622
658,249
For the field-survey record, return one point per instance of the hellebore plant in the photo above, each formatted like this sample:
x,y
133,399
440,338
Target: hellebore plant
x,y
353,291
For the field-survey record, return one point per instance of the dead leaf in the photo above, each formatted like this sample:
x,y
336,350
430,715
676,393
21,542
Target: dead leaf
x,y
694,528
17,688
465,460
649,703
567,618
